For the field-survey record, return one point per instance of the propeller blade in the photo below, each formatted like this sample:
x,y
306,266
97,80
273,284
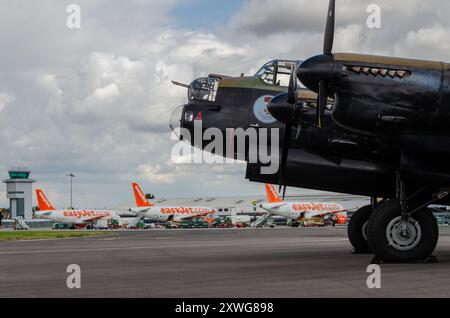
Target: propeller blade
x,y
322,100
329,29
318,123
292,100
299,130
285,153
284,192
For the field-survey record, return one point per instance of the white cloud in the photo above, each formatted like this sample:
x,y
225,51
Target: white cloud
x,y
154,175
97,101
5,99
427,42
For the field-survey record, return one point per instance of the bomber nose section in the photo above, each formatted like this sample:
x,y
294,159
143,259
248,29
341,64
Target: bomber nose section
x,y
176,120
314,70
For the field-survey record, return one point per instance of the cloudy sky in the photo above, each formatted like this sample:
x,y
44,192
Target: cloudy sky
x,y
96,101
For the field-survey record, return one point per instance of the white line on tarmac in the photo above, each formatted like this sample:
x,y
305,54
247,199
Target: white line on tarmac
x,y
128,248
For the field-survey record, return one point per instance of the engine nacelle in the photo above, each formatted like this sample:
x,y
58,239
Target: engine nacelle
x,y
340,219
383,95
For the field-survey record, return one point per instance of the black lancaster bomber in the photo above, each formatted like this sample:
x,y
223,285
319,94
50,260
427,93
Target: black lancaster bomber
x,y
385,136
226,102
393,113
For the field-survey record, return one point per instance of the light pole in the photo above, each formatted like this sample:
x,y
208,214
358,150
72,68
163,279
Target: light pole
x,y
71,178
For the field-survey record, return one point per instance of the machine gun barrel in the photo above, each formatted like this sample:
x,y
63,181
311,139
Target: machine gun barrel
x,y
180,84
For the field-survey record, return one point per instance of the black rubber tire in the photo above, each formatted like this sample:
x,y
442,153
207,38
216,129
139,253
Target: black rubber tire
x,y
355,228
378,241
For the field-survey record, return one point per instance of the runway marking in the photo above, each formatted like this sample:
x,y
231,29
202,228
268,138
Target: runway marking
x,y
109,239
129,248
50,239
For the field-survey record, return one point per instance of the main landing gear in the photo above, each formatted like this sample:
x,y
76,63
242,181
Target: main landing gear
x,y
357,230
394,239
398,230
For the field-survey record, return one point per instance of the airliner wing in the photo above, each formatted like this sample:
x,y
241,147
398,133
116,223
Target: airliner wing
x,y
140,211
94,219
329,213
197,216
277,206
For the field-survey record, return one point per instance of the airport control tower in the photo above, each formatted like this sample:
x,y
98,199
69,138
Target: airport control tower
x,y
19,191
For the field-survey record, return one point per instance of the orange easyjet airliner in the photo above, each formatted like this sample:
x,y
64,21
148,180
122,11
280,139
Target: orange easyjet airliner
x,y
166,213
313,212
76,218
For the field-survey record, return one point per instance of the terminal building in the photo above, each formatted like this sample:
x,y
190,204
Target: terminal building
x,y
19,191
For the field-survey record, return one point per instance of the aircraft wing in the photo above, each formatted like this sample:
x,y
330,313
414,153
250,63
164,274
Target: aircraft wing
x,y
197,216
140,211
94,219
277,206
328,213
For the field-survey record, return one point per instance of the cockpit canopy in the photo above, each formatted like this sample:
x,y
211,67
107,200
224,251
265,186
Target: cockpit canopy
x,y
204,89
277,72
